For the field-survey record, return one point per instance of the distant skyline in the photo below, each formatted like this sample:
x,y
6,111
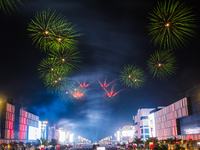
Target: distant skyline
x,y
114,34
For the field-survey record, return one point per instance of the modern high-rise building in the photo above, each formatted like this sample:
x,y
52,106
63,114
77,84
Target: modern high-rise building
x,y
141,123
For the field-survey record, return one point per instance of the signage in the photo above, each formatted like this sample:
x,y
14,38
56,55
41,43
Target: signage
x,y
101,148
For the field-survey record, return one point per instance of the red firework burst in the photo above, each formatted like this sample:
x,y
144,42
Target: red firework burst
x,y
112,93
105,85
83,84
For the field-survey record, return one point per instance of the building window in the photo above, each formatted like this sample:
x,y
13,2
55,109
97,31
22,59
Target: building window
x,y
141,136
146,130
136,123
142,131
144,117
146,136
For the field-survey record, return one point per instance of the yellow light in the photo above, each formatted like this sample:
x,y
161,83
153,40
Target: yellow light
x,y
66,92
167,24
63,59
59,39
52,69
159,65
135,80
46,32
129,76
55,81
59,78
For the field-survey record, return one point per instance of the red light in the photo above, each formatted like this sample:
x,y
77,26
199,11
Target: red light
x,y
151,146
42,148
58,147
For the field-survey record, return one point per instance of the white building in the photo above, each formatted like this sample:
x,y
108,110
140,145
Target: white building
x,y
141,123
127,133
152,127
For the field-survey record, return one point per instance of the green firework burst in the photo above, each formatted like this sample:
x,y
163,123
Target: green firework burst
x,y
172,24
57,81
52,31
132,76
57,67
8,5
67,58
52,74
162,64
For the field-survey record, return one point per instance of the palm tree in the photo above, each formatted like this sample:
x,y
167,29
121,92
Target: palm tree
x,y
151,139
54,142
40,142
137,141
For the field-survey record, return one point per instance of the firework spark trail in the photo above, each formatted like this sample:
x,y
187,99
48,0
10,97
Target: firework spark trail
x,y
105,85
83,84
112,93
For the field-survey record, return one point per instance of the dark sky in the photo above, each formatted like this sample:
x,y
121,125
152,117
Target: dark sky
x,y
115,34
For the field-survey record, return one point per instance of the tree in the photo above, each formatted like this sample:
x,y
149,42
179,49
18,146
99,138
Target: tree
x,y
137,141
54,142
41,141
151,139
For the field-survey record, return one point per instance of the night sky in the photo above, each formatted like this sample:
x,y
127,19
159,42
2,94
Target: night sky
x,y
114,34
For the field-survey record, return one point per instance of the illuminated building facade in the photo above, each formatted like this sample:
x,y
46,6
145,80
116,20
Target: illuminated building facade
x,y
166,119
180,119
151,119
52,133
15,122
189,127
127,133
141,123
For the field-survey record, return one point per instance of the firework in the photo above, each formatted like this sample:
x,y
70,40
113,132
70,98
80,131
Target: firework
x,y
67,58
162,64
171,24
56,80
132,76
83,84
105,85
52,31
7,5
52,74
58,66
112,94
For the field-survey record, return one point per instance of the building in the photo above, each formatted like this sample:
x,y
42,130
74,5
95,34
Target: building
x,y
141,123
151,119
180,119
127,133
15,122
